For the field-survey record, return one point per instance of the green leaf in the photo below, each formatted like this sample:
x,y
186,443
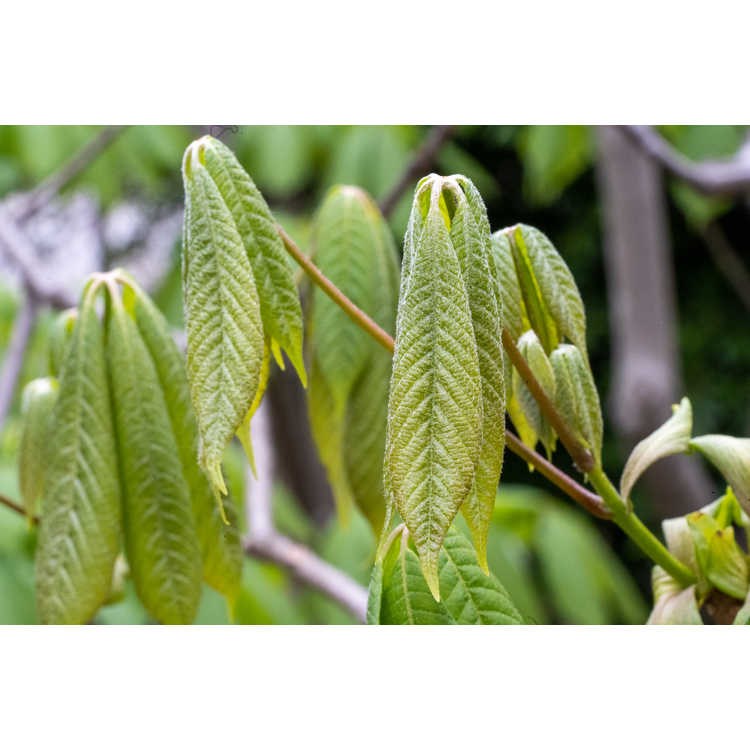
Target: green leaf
x,y
375,594
434,409
38,401
514,314
673,605
272,268
524,410
718,555
671,438
79,533
59,338
220,546
470,235
350,372
577,398
551,298
731,456
160,538
225,342
468,596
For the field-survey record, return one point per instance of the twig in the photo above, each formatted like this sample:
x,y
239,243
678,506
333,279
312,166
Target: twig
x,y
712,176
56,182
13,505
266,543
570,487
23,327
728,261
419,165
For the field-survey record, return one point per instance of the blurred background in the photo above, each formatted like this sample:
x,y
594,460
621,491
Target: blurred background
x,y
659,253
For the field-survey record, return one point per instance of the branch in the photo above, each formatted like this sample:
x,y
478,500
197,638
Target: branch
x,y
712,176
79,162
14,506
419,165
728,261
569,486
266,543
23,327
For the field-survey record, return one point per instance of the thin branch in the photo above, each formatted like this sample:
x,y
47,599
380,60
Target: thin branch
x,y
23,326
264,542
14,506
570,487
585,498
78,163
728,261
582,457
712,176
418,166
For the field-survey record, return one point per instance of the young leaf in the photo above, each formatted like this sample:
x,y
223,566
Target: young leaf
x,y
272,268
532,424
731,456
225,342
434,408
79,533
219,542
470,235
577,398
37,403
672,437
375,594
514,313
160,537
551,298
673,605
59,338
349,371
719,557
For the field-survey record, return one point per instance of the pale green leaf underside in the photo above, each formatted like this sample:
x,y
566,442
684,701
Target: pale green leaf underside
x,y
79,533
434,404
272,268
671,438
731,456
219,542
673,604
160,537
39,397
225,341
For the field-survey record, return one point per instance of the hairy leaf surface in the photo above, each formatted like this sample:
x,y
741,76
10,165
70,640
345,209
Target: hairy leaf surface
x,y
434,409
220,546
272,268
38,401
577,398
79,533
225,342
671,438
160,537
470,235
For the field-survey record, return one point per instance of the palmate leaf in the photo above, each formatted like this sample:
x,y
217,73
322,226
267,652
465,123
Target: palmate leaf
x,y
79,533
435,408
400,595
274,275
38,401
225,342
350,372
470,234
219,542
160,538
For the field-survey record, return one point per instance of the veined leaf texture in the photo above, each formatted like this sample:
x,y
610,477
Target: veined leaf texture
x,y
349,372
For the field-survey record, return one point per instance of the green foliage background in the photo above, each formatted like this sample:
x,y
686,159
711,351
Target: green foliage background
x,y
558,565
